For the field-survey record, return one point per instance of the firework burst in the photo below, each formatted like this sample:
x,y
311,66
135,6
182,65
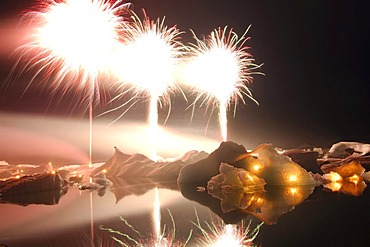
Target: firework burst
x,y
69,44
219,70
71,40
154,50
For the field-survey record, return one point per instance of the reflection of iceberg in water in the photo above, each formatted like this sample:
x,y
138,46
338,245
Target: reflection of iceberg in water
x,y
124,187
278,200
49,197
267,205
232,206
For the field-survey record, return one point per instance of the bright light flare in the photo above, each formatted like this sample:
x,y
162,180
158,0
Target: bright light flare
x,y
219,70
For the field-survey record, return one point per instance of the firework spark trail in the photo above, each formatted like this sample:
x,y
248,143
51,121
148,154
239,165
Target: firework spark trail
x,y
219,70
154,51
71,41
165,239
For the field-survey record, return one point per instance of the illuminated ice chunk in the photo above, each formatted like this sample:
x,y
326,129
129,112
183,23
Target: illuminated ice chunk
x,y
274,168
232,178
350,169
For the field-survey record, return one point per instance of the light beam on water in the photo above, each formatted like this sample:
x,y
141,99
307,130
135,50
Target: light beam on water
x,y
91,220
157,217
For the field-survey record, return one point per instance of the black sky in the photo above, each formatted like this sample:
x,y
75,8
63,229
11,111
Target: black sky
x,y
315,55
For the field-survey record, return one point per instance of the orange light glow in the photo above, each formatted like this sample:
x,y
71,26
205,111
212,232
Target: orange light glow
x,y
354,179
104,171
333,176
260,200
256,167
293,178
334,186
17,177
293,191
250,177
53,172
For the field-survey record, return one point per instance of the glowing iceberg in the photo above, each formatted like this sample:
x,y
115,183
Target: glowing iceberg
x,y
276,169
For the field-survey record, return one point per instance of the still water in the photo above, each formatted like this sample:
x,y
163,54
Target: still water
x,y
124,215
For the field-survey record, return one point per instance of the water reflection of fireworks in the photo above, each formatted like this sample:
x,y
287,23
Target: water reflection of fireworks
x,y
213,234
219,234
166,239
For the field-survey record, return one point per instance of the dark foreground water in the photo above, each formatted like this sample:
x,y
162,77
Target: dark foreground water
x,y
292,216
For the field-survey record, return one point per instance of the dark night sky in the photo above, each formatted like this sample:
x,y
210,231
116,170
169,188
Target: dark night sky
x,y
315,55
